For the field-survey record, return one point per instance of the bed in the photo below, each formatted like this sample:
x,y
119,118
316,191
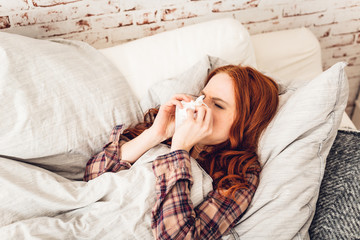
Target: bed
x,y
61,98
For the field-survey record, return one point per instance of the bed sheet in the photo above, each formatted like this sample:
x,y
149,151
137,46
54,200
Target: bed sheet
x,y
36,203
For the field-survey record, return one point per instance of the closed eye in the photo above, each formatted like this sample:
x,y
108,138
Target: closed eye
x,y
218,106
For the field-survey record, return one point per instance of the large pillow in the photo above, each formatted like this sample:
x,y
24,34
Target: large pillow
x,y
293,151
59,100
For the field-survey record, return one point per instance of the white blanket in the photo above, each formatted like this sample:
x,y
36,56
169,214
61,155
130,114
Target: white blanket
x,y
36,203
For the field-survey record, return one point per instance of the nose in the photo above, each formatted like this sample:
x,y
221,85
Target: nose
x,y
207,102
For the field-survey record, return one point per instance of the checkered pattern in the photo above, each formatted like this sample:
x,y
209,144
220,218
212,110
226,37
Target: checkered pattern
x,y
174,216
108,160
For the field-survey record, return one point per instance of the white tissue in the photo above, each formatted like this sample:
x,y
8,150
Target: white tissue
x,y
181,115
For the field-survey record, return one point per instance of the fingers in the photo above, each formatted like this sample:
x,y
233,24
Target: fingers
x,y
201,112
176,101
190,113
208,120
172,103
205,118
181,97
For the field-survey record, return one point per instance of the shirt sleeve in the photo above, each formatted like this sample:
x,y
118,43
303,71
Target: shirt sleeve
x,y
108,160
175,217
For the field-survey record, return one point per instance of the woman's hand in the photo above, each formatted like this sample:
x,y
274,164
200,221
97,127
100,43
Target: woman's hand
x,y
164,124
192,131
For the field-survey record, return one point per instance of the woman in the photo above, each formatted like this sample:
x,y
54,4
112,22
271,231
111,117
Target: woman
x,y
223,137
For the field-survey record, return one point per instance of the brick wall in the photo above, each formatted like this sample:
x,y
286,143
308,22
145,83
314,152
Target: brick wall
x,y
336,23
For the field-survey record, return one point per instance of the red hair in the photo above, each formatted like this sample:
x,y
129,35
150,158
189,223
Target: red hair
x,y
256,97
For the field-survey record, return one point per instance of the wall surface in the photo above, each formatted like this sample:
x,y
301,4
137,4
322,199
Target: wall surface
x,y
104,23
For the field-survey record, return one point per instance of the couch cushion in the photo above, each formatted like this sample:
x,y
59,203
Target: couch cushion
x,y
289,55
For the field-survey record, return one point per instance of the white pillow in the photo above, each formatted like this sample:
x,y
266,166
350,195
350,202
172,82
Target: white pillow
x,y
59,100
190,82
293,151
146,61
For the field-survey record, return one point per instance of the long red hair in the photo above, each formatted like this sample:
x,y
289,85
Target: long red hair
x,y
256,97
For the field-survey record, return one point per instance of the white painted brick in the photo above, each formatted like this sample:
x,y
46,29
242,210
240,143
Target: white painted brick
x,y
312,20
268,26
353,72
50,3
327,63
346,51
270,3
149,4
346,27
7,6
37,16
112,21
354,61
92,8
192,9
4,22
274,25
252,15
120,35
325,18
347,14
233,5
327,53
305,8
343,3
168,3
337,41
145,17
52,29
29,31
123,34
190,21
322,31
60,12
95,39
127,5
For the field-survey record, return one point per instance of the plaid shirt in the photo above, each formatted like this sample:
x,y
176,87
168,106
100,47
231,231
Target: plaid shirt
x,y
174,216
108,160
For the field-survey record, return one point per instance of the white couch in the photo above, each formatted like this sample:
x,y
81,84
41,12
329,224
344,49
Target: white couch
x,y
63,98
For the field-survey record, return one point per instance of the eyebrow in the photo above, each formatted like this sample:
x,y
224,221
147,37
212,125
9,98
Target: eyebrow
x,y
215,98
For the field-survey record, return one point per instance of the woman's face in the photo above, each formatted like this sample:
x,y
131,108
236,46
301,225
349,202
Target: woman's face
x,y
220,97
